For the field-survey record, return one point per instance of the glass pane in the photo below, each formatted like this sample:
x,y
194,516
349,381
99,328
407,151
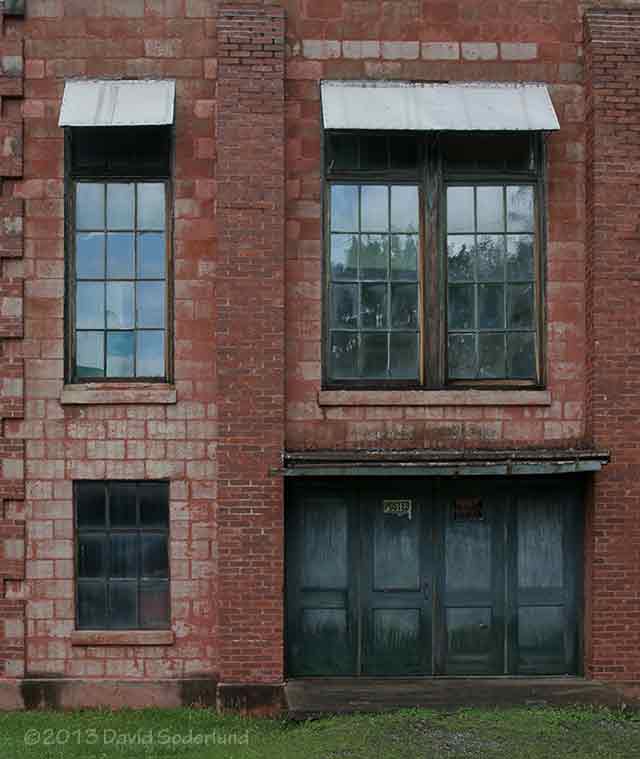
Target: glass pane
x,y
344,151
462,356
120,354
120,305
90,256
520,209
374,355
120,203
374,256
344,306
123,604
521,355
404,152
89,206
491,356
151,206
91,556
150,304
150,354
344,256
490,202
155,556
374,201
404,355
520,257
373,312
151,256
404,210
490,253
520,306
154,504
461,307
490,306
344,355
122,505
460,258
89,354
344,208
90,500
154,604
373,152
120,256
92,605
404,306
404,257
460,215
90,305
124,555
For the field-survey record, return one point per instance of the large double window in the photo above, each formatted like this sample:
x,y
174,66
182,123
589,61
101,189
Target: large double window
x,y
118,238
433,270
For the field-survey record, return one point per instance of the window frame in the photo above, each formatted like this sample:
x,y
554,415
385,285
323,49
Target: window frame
x,y
432,180
106,532
71,180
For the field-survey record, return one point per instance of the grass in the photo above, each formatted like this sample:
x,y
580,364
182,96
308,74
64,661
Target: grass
x,y
537,733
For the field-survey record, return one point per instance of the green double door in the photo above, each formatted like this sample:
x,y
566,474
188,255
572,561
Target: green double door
x,y
465,577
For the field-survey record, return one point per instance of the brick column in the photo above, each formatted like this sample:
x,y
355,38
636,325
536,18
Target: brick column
x,y
613,201
249,335
12,649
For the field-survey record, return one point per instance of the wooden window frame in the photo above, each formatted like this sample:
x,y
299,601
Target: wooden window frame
x,y
432,179
106,531
73,177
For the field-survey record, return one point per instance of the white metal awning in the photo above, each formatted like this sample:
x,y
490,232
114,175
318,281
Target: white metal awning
x,y
420,106
99,103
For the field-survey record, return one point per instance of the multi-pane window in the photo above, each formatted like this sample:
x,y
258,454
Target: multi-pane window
x,y
118,245
122,556
491,295
374,281
433,259
120,269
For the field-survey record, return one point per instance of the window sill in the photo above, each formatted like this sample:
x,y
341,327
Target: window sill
x,y
122,638
434,398
95,393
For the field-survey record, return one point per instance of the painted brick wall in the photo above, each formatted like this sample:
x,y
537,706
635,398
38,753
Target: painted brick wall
x,y
249,340
12,528
116,38
613,115
441,41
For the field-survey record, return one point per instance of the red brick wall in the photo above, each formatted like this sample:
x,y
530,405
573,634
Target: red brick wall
x,y
442,41
119,38
613,97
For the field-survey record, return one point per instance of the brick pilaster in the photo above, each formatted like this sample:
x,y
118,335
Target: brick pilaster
x,y
12,533
249,324
613,538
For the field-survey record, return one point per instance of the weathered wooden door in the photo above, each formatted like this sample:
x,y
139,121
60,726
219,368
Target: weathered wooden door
x,y
408,577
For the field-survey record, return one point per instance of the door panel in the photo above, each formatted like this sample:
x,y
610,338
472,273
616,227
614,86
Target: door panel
x,y
472,584
396,603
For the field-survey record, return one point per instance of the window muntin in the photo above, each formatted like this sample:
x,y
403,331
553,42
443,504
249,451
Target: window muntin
x,y
478,312
120,280
122,555
374,291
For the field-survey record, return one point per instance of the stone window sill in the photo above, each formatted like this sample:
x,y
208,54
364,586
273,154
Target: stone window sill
x,y
434,398
96,393
122,638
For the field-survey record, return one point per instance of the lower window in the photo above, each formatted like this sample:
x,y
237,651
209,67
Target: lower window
x,y
122,555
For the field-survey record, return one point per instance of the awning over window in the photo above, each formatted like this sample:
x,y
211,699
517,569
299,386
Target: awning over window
x,y
104,103
418,106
